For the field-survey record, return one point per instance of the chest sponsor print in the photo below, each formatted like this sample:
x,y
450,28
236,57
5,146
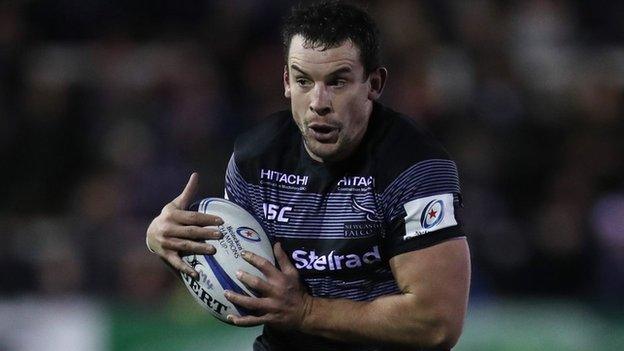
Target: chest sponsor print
x,y
334,260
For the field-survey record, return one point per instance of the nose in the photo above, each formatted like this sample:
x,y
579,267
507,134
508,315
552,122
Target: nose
x,y
321,100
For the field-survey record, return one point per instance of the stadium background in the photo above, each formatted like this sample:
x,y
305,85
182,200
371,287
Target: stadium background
x,y
107,106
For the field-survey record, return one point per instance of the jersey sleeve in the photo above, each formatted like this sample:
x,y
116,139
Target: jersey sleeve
x,y
421,206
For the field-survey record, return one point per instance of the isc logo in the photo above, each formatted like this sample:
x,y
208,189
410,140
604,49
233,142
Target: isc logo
x,y
275,212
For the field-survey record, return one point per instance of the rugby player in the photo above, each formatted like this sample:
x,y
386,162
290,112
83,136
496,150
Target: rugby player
x,y
361,203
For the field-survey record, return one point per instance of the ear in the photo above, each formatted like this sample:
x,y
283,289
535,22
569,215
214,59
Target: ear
x,y
286,80
377,82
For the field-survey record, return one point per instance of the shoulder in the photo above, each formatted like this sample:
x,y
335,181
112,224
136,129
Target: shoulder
x,y
273,133
402,144
266,140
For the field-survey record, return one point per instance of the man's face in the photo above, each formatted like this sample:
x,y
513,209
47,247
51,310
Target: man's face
x,y
331,100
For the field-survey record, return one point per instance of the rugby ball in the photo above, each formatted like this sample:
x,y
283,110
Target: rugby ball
x,y
217,273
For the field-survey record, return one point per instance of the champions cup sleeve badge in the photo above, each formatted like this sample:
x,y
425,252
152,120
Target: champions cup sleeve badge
x,y
429,214
248,234
432,214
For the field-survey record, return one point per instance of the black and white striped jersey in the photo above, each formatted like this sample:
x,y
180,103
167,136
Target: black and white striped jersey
x,y
340,223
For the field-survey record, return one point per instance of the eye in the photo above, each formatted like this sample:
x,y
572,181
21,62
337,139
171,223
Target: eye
x,y
338,83
303,82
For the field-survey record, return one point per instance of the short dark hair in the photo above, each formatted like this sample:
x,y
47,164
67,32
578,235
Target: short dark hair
x,y
328,24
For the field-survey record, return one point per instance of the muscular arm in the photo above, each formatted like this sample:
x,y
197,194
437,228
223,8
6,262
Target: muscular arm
x,y
429,311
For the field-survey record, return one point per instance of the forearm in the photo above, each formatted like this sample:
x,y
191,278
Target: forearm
x,y
397,319
429,312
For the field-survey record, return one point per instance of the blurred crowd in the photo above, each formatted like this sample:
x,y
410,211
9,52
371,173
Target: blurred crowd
x,y
106,107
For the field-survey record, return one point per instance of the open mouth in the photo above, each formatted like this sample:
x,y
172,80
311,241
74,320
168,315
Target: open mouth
x,y
323,133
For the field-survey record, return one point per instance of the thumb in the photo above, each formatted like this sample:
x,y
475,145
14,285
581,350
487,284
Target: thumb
x,y
185,198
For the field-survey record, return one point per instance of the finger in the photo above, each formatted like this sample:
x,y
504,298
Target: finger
x,y
195,218
184,199
254,283
247,321
266,267
179,264
188,246
248,302
282,260
194,233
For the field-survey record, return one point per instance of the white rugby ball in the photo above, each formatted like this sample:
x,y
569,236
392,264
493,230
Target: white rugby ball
x,y
217,273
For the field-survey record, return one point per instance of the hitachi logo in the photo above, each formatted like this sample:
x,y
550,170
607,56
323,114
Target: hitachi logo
x,y
357,181
292,179
332,261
